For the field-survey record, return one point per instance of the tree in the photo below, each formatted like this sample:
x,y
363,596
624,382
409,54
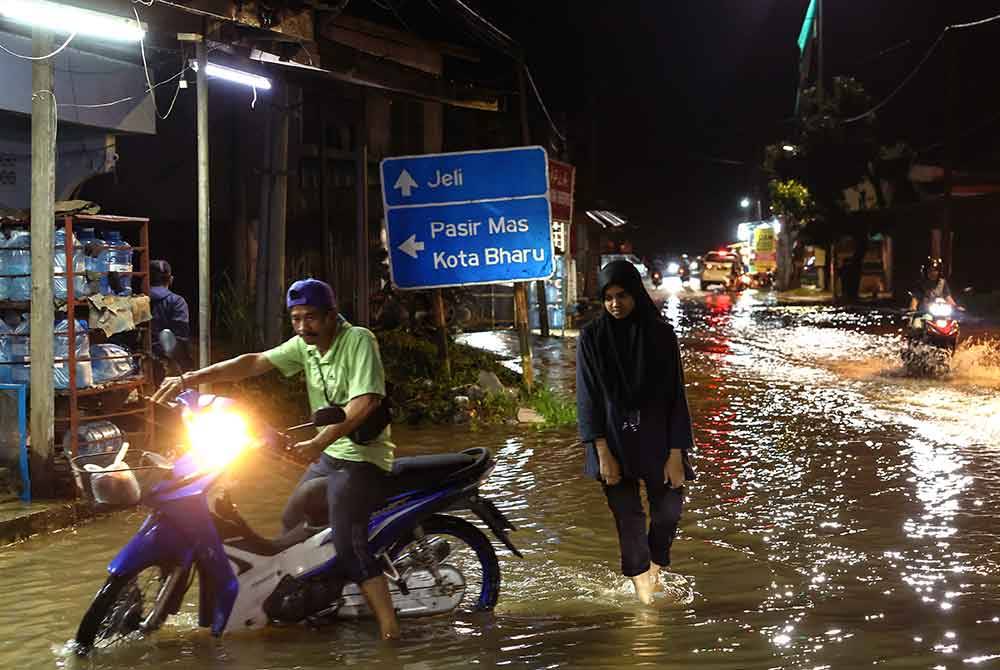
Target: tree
x,y
794,204
835,148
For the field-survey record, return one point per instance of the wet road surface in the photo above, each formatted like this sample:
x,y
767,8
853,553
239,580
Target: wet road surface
x,y
844,517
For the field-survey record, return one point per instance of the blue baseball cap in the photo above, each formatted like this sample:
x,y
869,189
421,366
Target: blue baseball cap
x,y
311,293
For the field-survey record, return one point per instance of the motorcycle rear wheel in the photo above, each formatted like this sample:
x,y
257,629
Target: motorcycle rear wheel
x,y
126,605
471,553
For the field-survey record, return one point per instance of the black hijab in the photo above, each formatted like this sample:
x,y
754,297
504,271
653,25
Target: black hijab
x,y
630,358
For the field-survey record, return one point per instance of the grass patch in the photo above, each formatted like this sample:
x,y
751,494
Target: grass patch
x,y
558,409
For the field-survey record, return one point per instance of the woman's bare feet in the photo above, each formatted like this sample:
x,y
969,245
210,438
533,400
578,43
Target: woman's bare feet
x,y
643,588
654,577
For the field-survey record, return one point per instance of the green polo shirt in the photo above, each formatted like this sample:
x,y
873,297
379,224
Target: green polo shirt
x,y
351,367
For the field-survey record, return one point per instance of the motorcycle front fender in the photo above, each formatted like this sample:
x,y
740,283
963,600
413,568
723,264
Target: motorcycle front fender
x,y
161,541
157,542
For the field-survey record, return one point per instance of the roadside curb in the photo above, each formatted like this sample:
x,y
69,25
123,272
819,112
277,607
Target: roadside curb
x,y
40,518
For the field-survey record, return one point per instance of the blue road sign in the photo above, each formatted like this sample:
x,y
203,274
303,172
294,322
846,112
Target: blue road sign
x,y
464,176
480,217
474,243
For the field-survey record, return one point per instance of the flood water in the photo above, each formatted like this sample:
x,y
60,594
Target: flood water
x,y
844,517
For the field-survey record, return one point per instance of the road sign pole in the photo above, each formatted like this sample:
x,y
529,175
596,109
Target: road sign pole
x,y
442,326
521,318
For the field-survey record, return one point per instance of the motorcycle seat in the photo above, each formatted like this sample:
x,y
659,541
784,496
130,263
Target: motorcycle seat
x,y
409,474
236,532
413,473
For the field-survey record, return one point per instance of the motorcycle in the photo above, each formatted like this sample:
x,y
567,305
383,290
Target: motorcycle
x,y
931,340
656,279
435,562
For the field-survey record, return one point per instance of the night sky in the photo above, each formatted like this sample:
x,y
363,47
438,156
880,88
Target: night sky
x,y
670,103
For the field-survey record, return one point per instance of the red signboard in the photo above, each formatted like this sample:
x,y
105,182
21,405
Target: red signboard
x,y
561,178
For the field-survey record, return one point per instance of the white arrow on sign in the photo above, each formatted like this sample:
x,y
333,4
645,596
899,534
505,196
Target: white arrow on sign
x,y
410,247
405,183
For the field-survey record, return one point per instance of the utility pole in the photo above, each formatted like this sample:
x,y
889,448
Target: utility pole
x,y
275,285
543,305
819,51
363,283
951,147
43,195
521,288
204,240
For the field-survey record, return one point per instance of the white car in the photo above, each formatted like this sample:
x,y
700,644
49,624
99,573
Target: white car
x,y
720,267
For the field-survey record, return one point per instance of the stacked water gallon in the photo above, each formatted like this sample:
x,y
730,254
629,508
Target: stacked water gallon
x,y
4,269
20,350
59,264
116,257
110,362
92,261
18,265
95,437
5,354
84,370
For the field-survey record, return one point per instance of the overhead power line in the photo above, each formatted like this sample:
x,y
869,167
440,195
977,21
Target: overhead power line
x,y
485,31
923,61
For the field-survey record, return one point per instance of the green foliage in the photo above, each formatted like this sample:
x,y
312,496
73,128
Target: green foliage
x,y
423,393
831,155
556,408
791,198
496,408
235,319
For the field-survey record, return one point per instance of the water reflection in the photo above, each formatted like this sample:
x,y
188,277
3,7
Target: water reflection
x,y
843,517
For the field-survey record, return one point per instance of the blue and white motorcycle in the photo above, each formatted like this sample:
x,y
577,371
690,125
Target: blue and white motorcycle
x,y
435,562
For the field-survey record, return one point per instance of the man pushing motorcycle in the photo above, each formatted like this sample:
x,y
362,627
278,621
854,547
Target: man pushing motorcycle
x,y
342,366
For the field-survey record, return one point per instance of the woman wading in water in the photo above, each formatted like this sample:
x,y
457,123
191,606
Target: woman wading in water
x,y
634,421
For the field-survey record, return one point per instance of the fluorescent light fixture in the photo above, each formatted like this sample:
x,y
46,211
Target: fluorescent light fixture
x,y
234,75
67,19
743,232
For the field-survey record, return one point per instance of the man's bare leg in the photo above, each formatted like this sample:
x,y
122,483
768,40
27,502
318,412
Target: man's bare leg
x,y
376,592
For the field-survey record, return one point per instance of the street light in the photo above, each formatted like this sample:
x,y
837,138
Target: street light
x,y
745,203
790,148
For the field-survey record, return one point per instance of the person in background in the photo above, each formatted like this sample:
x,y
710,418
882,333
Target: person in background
x,y
932,286
634,421
169,311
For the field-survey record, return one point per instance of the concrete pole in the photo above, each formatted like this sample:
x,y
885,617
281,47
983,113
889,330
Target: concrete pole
x,y
543,305
275,241
819,52
363,292
204,240
43,190
326,239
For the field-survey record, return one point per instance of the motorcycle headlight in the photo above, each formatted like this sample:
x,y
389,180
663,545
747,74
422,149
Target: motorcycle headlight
x,y
941,310
217,435
673,268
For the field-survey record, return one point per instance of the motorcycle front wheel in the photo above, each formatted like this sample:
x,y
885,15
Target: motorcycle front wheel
x,y
471,553
128,605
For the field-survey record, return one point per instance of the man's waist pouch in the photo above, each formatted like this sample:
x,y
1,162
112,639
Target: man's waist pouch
x,y
375,423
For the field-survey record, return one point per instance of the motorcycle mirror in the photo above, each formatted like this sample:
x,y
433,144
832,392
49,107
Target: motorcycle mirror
x,y
168,342
329,416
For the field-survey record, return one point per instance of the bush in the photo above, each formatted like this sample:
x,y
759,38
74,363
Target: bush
x,y
423,393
